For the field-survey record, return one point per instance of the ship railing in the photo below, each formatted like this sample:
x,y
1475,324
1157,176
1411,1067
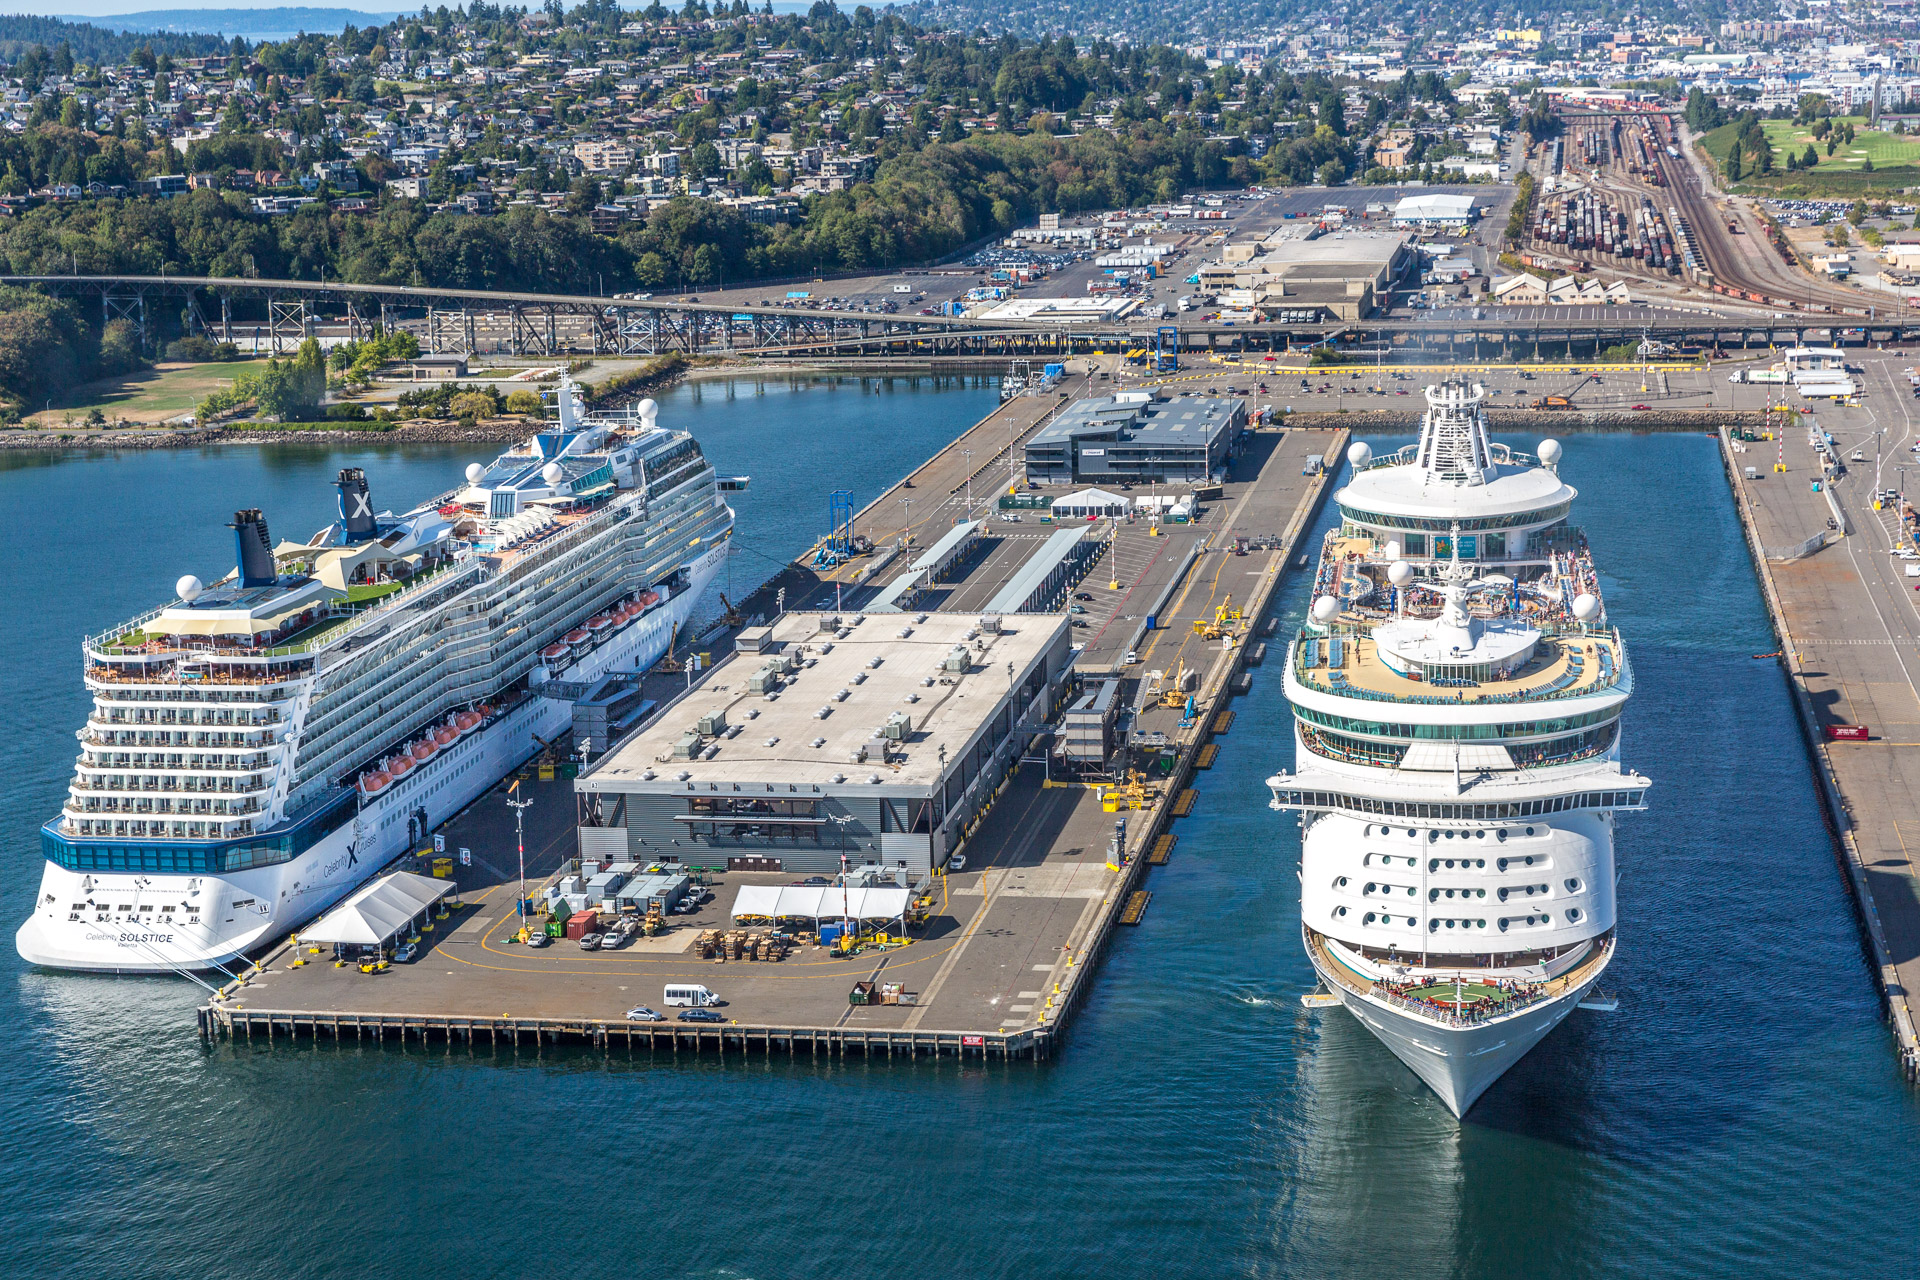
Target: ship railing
x,y
388,605
1620,676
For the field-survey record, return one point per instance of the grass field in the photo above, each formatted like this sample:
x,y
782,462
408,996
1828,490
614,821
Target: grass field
x,y
147,396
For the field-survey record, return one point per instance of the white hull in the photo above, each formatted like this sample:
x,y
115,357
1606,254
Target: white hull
x,y
1458,1063
242,911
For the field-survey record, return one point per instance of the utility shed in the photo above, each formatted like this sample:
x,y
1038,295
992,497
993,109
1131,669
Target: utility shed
x,y
877,739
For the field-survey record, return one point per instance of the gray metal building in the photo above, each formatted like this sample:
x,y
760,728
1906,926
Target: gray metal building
x,y
1132,437
878,737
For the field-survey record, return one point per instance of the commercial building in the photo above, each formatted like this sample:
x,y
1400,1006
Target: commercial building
x,y
1435,211
1306,273
877,738
1132,437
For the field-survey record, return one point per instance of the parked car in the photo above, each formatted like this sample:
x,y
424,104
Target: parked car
x,y
589,942
701,1015
958,862
1083,595
406,954
613,939
1076,608
538,940
640,1013
1641,408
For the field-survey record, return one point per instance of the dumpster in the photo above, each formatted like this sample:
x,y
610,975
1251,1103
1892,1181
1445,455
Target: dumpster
x,y
861,994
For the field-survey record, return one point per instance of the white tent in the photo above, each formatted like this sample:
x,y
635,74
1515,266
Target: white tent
x,y
818,902
1089,502
379,911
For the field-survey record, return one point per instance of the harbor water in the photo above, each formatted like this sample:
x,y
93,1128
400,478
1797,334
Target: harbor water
x,y
1739,1114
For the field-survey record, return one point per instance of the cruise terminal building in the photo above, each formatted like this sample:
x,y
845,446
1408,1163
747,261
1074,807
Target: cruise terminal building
x,y
877,737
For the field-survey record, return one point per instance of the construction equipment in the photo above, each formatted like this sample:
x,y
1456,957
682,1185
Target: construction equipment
x,y
669,664
1134,793
1562,399
732,616
1175,694
1225,619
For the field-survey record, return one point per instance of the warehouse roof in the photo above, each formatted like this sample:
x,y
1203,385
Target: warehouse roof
x,y
872,667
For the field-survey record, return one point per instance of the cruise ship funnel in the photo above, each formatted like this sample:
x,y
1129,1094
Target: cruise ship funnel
x,y
356,506
253,548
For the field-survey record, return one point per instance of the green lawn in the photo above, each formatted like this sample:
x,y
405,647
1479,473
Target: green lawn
x,y
1895,156
147,396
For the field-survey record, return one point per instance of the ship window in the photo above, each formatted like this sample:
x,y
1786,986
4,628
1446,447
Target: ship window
x,y
1573,913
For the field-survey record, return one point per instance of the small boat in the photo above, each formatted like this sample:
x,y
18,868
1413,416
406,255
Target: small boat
x,y
445,734
424,750
375,782
579,635
554,652
465,721
400,765
596,626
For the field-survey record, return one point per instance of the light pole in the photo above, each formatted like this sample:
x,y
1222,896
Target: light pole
x,y
968,455
519,808
906,525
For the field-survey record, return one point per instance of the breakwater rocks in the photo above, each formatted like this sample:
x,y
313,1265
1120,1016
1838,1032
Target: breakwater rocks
x,y
1407,421
411,431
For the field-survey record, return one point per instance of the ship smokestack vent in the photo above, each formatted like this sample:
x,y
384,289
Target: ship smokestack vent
x,y
253,548
356,505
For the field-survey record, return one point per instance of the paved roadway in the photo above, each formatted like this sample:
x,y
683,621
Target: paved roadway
x,y
1854,619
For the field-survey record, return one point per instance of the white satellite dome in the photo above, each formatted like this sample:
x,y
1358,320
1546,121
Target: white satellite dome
x,y
1585,607
189,588
552,473
1394,550
1549,452
474,472
1359,453
1399,573
1326,609
648,409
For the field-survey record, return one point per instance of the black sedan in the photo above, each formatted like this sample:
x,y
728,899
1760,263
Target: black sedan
x,y
700,1015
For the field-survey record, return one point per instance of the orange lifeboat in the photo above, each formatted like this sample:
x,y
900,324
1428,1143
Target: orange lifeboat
x,y
424,750
648,599
465,721
579,635
599,624
553,652
374,783
444,734
399,765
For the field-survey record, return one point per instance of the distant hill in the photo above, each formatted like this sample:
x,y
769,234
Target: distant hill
x,y
254,24
90,43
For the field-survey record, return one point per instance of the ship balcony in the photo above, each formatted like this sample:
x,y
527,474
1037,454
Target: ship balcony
x,y
131,784
1347,663
133,720
229,739
125,762
1468,997
154,829
200,806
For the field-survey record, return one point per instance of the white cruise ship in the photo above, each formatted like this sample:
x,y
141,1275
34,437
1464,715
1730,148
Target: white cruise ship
x,y
1457,697
261,746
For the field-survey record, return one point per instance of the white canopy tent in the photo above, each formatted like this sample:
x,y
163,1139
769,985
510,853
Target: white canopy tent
x,y
379,911
819,902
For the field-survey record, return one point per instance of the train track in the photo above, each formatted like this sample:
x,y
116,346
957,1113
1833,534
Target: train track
x,y
1769,277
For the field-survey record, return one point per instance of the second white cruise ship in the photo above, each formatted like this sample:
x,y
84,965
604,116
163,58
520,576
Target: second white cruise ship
x,y
260,746
1457,696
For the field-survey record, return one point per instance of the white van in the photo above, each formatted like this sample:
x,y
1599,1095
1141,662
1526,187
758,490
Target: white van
x,y
903,288
691,997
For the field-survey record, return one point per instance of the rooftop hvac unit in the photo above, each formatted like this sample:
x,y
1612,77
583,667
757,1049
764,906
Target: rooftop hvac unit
x,y
829,622
765,680
957,658
990,624
713,724
859,754
688,747
899,725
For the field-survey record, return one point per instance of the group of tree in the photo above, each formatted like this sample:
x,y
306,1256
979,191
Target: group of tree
x,y
47,346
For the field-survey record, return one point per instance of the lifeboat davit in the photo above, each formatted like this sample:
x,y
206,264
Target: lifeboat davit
x,y
374,783
399,765
485,709
424,750
554,651
444,734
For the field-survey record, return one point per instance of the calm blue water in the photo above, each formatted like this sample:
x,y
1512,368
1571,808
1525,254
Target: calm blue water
x,y
1739,1116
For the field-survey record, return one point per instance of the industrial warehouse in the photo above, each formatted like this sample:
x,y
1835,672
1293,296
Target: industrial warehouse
x,y
1131,437
832,740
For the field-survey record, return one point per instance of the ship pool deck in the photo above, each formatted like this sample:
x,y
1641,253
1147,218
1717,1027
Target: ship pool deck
x,y
1565,666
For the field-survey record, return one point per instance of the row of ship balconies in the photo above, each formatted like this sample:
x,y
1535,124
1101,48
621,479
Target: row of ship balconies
x,y
192,717
168,806
156,828
246,784
122,761
231,738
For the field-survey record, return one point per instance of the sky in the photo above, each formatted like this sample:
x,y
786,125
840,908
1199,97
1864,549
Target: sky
x,y
86,9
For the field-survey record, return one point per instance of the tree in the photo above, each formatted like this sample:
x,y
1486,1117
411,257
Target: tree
x,y
524,401
1809,158
120,348
1733,161
473,404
